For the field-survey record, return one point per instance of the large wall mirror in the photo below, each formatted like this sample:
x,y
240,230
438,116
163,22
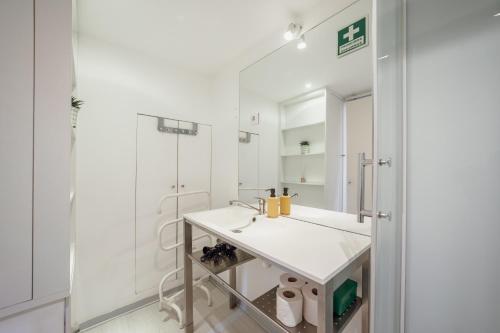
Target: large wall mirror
x,y
306,115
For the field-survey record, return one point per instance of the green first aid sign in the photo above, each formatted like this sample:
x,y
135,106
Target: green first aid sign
x,y
352,38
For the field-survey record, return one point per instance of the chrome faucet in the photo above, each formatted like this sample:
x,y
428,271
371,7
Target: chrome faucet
x,y
262,205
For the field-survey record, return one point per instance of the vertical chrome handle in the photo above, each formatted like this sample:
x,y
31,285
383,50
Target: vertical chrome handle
x,y
362,163
361,186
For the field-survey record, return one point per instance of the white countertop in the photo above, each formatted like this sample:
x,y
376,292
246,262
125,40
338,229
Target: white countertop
x,y
315,251
330,218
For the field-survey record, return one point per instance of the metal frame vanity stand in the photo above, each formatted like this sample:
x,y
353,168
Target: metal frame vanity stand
x,y
263,308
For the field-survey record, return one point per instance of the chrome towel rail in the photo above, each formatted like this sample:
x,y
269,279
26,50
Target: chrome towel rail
x,y
169,302
178,195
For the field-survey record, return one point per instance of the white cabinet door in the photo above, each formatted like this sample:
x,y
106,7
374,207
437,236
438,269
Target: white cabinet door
x,y
195,165
156,176
16,150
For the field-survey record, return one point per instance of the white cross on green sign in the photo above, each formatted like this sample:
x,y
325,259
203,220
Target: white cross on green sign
x,y
352,37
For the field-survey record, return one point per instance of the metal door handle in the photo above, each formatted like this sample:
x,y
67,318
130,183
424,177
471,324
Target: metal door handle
x,y
362,163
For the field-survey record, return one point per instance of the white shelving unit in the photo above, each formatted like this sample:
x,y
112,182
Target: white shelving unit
x,y
309,118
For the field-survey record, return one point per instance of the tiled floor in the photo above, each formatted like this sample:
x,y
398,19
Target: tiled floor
x,y
218,318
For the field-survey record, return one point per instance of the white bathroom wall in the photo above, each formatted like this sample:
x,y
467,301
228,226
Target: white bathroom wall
x,y
116,84
453,161
268,130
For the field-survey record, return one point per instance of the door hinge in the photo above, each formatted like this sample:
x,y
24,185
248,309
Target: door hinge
x,y
387,162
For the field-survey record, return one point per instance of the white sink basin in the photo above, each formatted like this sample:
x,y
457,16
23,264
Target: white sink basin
x,y
315,251
230,218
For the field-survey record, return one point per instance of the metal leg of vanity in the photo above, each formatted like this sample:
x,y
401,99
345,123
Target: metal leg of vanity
x,y
188,277
326,322
233,300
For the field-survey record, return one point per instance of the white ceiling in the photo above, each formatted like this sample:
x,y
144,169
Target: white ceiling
x,y
284,73
199,35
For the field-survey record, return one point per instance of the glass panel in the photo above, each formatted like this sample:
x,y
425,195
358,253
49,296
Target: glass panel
x,y
312,109
389,138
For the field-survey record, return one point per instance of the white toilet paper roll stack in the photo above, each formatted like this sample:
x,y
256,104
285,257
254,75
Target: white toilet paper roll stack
x,y
310,312
291,281
289,306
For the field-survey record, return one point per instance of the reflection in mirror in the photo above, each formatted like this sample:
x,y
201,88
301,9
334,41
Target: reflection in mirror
x,y
306,115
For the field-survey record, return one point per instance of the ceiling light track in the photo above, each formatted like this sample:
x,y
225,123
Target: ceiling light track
x,y
293,31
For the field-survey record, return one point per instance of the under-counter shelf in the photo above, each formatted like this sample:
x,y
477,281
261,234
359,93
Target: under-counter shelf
x,y
226,264
267,304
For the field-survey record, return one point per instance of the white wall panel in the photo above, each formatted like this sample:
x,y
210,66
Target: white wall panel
x,y
45,319
453,166
16,150
52,139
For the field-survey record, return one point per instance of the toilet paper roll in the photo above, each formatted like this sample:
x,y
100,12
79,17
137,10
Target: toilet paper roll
x,y
289,306
310,312
291,281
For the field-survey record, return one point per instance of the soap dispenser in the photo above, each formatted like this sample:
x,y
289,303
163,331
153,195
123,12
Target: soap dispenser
x,y
285,202
273,204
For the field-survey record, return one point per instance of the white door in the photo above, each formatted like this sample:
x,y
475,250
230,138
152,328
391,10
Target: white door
x,y
359,139
156,177
248,172
16,150
195,168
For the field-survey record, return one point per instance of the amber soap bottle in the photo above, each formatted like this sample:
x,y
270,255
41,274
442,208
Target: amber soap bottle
x,y
273,204
285,202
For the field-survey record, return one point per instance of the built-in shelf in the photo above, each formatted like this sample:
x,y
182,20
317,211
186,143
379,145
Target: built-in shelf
x,y
305,155
226,264
267,304
303,126
313,183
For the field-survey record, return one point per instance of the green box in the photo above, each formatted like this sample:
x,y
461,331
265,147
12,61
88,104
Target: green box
x,y
344,296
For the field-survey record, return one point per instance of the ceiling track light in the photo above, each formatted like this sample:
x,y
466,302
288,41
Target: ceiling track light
x,y
302,43
293,31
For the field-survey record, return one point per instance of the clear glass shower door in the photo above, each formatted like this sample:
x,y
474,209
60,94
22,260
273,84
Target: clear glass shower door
x,y
387,235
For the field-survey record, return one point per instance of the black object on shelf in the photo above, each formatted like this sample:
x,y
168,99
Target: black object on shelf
x,y
217,253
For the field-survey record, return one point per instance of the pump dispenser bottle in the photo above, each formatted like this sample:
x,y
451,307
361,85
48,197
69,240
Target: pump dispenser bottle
x,y
273,204
285,202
